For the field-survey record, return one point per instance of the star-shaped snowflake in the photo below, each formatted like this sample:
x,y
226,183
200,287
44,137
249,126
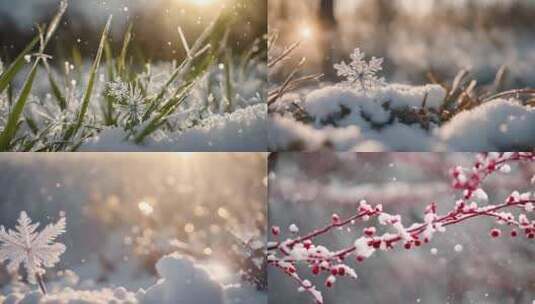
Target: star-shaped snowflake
x,y
360,73
35,251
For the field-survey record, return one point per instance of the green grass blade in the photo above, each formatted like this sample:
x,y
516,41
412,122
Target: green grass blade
x,y
13,119
91,82
124,51
159,120
56,91
16,66
228,80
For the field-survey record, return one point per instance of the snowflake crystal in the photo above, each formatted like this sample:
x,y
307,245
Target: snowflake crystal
x,y
360,73
34,250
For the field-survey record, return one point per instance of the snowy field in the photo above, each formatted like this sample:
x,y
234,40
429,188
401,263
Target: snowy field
x,y
463,84
133,229
391,118
463,264
365,113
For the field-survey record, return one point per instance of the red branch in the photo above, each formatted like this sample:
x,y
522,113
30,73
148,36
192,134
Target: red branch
x,y
285,255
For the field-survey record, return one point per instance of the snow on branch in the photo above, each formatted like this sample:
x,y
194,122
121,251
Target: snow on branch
x,y
286,254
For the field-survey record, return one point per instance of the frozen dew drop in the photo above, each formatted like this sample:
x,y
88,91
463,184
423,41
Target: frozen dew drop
x,y
434,251
458,248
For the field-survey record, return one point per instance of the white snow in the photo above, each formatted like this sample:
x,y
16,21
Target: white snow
x,y
362,248
181,282
345,119
499,125
242,130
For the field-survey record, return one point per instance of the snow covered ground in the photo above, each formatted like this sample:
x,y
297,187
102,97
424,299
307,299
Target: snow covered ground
x,y
180,281
386,119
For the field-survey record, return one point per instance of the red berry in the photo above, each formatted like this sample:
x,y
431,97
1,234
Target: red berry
x,y
531,235
329,284
407,245
334,271
376,244
341,271
370,231
495,233
307,244
514,233
275,230
417,243
360,258
315,269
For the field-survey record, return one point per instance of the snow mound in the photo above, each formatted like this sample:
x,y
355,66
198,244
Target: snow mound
x,y
289,135
361,108
70,296
498,125
242,130
182,283
238,294
391,118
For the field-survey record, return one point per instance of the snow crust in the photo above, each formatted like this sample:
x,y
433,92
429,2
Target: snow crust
x,y
242,130
181,282
345,119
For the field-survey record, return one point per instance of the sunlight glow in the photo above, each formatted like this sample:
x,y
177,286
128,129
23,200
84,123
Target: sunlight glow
x,y
306,31
203,2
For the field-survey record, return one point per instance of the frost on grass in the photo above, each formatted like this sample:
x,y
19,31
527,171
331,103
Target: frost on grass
x,y
242,130
366,114
137,108
34,250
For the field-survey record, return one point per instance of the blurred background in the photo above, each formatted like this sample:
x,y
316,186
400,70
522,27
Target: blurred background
x,y
125,211
155,25
307,188
415,36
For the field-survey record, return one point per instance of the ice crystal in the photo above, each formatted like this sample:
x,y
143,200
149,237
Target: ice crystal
x,y
34,250
130,100
359,73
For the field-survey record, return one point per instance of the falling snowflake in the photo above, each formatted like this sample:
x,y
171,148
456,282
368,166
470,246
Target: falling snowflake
x,y
360,73
35,251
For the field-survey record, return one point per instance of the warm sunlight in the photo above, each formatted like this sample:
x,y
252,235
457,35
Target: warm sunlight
x,y
306,31
203,2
